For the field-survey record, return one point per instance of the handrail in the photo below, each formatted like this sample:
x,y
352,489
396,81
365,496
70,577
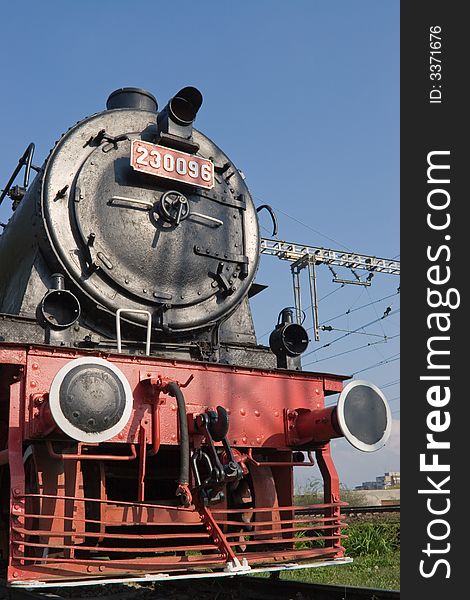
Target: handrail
x,y
26,159
133,311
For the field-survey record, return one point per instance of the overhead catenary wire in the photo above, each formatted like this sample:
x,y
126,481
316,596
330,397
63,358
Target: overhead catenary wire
x,y
388,311
349,311
341,337
330,328
286,214
390,383
386,361
351,350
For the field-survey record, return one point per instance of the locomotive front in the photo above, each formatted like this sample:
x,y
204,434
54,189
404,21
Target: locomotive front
x,y
138,212
143,430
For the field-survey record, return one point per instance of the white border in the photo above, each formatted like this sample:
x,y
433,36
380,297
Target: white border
x,y
352,439
167,577
65,425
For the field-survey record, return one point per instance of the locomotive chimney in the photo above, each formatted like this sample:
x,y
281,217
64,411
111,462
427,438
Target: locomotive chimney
x,y
175,121
131,97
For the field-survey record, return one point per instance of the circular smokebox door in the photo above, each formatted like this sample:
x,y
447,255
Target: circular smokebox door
x,y
364,416
90,400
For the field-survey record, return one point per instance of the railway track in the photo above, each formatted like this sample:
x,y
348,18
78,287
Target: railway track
x,y
350,510
237,588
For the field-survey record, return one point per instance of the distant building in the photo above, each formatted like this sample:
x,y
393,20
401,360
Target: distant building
x,y
383,482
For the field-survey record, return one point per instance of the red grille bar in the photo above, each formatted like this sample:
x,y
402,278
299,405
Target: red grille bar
x,y
206,538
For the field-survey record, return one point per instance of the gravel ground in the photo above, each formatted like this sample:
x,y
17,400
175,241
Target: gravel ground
x,y
195,590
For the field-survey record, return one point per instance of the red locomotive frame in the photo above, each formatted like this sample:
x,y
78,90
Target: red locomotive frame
x,y
57,532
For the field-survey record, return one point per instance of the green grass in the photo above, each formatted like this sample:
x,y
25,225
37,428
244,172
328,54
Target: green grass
x,y
372,539
381,571
375,548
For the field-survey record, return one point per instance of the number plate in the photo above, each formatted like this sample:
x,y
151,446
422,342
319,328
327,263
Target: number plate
x,y
172,164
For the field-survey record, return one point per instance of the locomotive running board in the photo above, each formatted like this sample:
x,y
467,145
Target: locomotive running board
x,y
160,577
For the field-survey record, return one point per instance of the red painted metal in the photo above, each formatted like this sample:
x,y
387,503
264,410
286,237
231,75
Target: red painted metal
x,y
142,464
319,425
331,490
73,515
253,421
83,456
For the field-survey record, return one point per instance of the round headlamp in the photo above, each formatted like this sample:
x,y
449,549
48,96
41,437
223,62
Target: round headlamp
x,y
90,400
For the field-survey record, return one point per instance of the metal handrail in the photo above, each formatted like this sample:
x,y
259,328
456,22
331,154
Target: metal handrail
x,y
25,160
133,311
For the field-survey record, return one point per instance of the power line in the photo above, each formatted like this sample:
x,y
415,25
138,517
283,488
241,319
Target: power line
x,y
329,328
327,295
390,383
348,312
350,351
386,313
346,334
306,225
390,359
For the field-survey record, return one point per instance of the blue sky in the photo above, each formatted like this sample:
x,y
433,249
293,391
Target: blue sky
x,y
312,85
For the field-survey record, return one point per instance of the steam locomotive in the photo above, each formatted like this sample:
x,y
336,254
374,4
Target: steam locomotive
x,y
144,432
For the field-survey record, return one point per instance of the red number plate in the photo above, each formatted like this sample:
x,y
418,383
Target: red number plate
x,y
172,164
